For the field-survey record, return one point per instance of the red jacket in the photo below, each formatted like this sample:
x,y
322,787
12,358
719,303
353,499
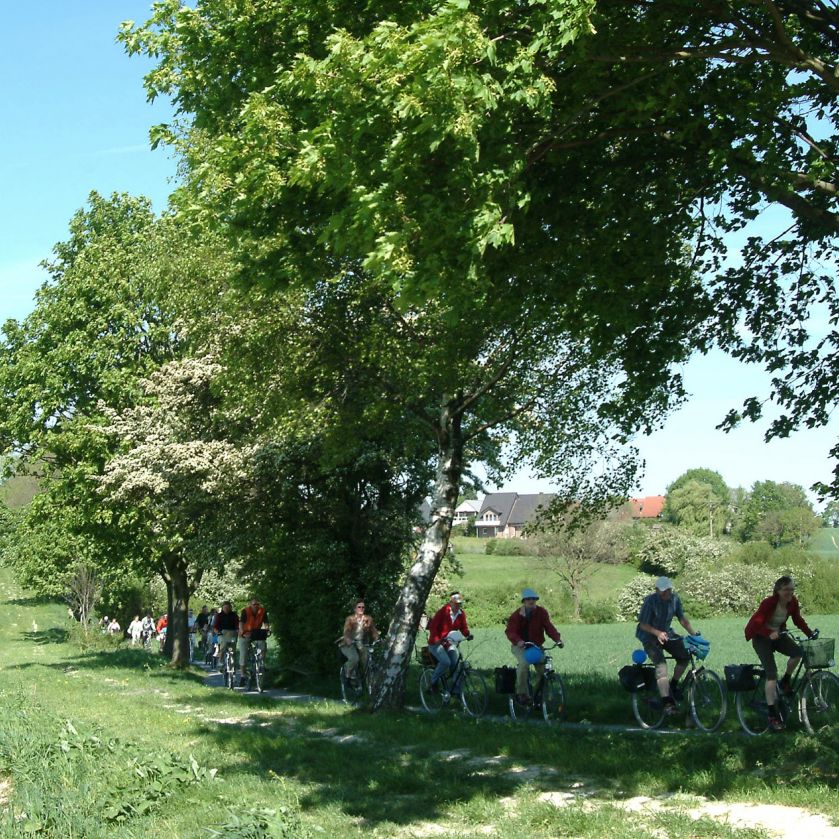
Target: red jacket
x,y
535,630
757,624
442,624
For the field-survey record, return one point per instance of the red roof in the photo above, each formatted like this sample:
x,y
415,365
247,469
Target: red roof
x,y
649,507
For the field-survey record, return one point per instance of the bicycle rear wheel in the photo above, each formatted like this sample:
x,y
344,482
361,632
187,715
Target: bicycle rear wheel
x,y
521,710
553,698
648,707
752,708
707,700
819,708
431,700
473,693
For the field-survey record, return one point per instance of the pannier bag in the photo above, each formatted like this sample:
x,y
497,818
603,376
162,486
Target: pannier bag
x,y
505,679
635,677
740,677
818,652
428,660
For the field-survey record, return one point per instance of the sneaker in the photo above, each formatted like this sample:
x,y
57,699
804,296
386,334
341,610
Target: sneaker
x,y
670,707
776,724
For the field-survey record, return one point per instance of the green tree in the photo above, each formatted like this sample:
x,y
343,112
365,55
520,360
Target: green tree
x,y
476,170
761,513
699,506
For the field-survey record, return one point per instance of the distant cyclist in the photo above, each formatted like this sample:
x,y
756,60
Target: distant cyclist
x,y
227,628
528,624
655,632
253,628
359,631
447,619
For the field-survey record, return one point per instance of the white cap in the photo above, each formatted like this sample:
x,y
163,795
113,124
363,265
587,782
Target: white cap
x,y
663,583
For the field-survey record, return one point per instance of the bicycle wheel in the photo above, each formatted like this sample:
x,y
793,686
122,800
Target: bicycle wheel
x,y
648,707
473,693
229,671
707,700
259,674
351,689
553,698
431,700
752,709
819,708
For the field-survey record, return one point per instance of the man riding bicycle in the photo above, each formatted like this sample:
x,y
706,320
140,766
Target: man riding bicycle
x,y
528,624
253,628
655,632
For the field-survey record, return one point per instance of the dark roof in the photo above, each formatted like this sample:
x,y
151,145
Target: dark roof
x,y
513,508
501,502
524,510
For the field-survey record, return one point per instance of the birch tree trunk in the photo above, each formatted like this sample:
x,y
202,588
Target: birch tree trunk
x,y
390,689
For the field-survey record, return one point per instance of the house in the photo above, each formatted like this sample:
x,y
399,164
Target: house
x,y
650,507
466,510
505,514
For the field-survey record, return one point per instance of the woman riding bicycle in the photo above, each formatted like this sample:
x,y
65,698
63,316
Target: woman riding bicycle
x,y
359,632
765,630
528,624
447,619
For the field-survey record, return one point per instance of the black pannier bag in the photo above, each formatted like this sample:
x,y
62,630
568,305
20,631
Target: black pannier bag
x,y
635,677
505,679
740,677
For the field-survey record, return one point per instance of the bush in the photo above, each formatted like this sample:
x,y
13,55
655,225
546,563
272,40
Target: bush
x,y
597,611
711,591
632,595
670,550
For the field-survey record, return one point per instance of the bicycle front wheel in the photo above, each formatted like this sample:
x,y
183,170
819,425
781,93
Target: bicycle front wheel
x,y
351,690
431,700
648,707
819,708
752,708
474,694
707,700
258,676
553,698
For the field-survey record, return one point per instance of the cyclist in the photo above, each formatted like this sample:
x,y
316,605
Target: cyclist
x,y
765,630
227,628
359,631
253,627
201,622
148,628
655,632
528,624
447,618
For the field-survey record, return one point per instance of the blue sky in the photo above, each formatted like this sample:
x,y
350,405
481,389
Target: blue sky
x,y
75,119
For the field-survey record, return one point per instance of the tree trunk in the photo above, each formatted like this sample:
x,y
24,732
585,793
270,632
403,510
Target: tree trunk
x,y
178,591
390,690
170,599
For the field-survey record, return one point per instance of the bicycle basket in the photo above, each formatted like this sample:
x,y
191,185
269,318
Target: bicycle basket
x,y
818,652
697,645
740,677
505,679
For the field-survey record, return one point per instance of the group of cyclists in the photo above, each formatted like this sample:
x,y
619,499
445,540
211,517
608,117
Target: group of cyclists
x,y
528,626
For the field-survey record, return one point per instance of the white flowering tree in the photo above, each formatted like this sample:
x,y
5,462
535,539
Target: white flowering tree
x,y
179,474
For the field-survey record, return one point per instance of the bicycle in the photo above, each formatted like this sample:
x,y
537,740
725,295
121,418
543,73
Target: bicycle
x,y
462,681
211,650
353,689
228,667
548,694
815,692
255,667
706,696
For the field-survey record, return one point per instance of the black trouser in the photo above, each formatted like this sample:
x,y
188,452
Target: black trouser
x,y
766,648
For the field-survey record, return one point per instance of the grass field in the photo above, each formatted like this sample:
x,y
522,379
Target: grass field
x,y
111,743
